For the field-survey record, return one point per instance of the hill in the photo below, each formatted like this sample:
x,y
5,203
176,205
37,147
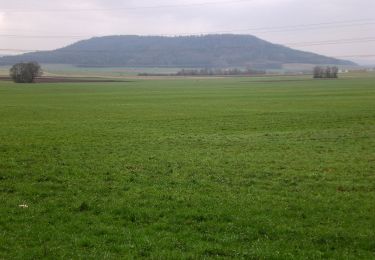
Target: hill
x,y
213,51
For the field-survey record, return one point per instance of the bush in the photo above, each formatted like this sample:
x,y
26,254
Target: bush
x,y
25,72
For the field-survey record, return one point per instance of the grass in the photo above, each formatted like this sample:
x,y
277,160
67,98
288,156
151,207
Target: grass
x,y
188,169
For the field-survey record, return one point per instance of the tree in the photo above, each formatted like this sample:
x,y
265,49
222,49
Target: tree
x,y
316,72
326,73
334,72
25,72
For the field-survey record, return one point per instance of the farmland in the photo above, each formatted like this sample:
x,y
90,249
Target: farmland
x,y
188,168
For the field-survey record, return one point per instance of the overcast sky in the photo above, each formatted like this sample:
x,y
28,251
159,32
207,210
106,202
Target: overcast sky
x,y
302,24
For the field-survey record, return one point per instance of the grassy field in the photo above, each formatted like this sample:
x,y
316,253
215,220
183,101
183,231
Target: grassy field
x,y
232,168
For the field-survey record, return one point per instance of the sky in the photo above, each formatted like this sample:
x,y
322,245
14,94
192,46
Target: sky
x,y
337,28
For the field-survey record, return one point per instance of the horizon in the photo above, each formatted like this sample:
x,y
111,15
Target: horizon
x,y
289,45
334,26
217,37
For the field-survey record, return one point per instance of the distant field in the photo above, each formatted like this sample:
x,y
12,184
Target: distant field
x,y
64,70
4,71
70,70
194,168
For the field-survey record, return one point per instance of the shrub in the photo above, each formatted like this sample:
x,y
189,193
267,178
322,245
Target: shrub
x,y
25,72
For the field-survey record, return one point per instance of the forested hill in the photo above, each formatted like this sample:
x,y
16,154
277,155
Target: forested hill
x,y
214,51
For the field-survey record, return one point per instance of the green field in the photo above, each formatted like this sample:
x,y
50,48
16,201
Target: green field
x,y
195,168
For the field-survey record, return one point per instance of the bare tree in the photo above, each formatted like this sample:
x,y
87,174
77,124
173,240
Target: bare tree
x,y
327,73
334,72
318,72
25,72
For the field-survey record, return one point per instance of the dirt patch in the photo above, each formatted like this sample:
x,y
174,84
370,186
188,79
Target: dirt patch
x,y
4,78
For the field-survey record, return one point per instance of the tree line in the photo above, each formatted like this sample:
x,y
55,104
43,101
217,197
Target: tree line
x,y
209,72
326,72
219,72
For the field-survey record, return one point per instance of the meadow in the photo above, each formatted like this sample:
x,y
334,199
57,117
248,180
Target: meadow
x,y
188,168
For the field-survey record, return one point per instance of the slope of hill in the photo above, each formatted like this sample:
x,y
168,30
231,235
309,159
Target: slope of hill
x,y
189,51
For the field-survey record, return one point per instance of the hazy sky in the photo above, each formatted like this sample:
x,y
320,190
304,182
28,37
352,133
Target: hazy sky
x,y
302,24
